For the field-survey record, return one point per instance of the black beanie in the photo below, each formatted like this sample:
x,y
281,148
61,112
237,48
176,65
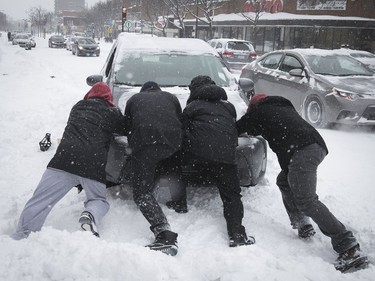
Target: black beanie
x,y
150,86
199,81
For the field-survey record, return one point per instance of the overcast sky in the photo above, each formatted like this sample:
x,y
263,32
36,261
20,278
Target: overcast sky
x,y
16,9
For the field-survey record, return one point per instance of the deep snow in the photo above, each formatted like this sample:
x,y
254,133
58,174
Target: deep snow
x,y
38,89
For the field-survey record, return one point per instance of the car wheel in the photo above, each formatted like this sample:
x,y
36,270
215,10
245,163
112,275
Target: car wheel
x,y
314,112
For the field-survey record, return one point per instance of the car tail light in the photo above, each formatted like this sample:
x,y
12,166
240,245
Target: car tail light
x,y
253,56
228,54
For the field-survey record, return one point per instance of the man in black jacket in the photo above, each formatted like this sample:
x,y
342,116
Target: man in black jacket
x,y
155,137
299,149
209,143
80,159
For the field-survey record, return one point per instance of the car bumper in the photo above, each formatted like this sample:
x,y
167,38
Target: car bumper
x,y
89,52
251,157
359,112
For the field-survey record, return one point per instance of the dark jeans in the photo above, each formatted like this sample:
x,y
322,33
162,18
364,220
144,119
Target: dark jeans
x,y
298,189
145,166
225,176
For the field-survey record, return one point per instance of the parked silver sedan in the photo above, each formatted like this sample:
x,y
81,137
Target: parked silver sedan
x,y
324,86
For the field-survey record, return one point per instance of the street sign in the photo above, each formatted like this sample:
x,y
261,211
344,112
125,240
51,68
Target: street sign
x,y
128,24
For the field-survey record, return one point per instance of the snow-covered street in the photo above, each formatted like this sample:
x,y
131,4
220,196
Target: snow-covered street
x,y
38,89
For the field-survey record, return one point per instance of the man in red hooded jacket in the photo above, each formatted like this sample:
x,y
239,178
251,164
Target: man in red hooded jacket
x,y
80,159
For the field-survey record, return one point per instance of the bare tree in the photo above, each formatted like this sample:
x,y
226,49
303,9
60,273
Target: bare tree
x,y
178,8
39,18
158,14
207,9
251,10
97,16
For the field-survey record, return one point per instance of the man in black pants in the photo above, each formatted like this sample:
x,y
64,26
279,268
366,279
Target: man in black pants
x,y
209,143
155,136
300,149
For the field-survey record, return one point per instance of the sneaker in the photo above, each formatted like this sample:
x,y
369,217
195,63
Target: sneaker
x,y
238,239
178,206
351,260
87,222
306,231
165,242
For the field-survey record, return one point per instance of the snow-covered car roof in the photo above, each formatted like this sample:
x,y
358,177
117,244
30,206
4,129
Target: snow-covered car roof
x,y
163,44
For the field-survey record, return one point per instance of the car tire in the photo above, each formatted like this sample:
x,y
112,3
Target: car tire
x,y
314,112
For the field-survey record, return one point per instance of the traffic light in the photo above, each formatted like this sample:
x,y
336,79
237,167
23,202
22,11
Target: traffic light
x,y
123,17
124,11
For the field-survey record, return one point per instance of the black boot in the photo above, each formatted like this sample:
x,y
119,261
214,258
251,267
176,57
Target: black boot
x,y
178,206
351,260
306,231
166,242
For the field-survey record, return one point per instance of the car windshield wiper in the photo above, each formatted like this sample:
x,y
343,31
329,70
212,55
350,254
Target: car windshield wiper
x,y
127,83
323,73
356,74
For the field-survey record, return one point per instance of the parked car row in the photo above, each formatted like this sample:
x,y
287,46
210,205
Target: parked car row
x,y
78,45
325,86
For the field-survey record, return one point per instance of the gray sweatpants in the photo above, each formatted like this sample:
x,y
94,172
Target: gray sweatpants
x,y
53,186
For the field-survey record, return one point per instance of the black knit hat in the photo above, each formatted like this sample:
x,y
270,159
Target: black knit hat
x,y
199,81
150,86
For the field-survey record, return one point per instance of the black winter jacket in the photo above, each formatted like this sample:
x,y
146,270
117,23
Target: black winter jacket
x,y
153,118
279,123
209,125
85,142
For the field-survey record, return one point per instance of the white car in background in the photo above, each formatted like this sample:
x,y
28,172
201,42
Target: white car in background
x,y
23,39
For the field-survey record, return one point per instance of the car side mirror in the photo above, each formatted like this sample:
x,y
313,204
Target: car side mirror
x,y
92,79
298,72
246,84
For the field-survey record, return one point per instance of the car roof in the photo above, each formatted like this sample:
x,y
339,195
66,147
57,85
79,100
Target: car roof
x,y
310,51
225,40
146,43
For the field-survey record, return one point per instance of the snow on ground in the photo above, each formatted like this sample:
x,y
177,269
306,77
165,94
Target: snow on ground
x,y
38,89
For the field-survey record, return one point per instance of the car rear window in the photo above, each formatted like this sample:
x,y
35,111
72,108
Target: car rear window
x,y
239,46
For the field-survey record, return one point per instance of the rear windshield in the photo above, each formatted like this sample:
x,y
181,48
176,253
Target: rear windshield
x,y
239,46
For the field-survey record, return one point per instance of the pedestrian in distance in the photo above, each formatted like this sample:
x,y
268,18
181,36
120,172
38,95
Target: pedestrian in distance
x,y
80,160
300,149
209,143
154,136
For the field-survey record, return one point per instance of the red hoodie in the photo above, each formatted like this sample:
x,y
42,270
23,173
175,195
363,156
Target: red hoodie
x,y
256,99
100,90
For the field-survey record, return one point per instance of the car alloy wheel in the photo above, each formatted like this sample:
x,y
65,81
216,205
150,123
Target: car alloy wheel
x,y
314,112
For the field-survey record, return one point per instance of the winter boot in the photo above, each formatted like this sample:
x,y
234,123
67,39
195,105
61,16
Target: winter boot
x,y
239,239
87,222
178,206
166,242
351,260
306,231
